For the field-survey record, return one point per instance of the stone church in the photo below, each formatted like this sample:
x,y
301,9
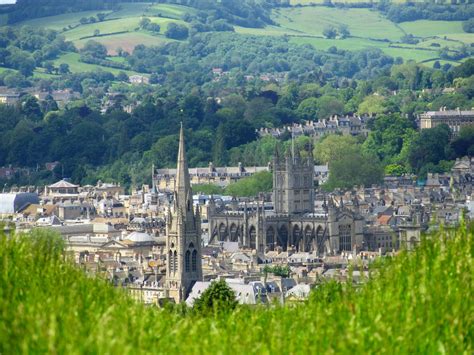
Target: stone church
x,y
183,234
292,223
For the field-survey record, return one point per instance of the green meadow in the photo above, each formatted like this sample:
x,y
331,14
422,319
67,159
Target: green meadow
x,y
415,303
368,29
361,22
302,24
76,66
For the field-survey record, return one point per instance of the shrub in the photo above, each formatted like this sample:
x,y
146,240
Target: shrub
x,y
217,298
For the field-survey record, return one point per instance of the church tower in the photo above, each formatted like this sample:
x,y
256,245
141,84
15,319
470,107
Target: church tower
x,y
293,183
183,237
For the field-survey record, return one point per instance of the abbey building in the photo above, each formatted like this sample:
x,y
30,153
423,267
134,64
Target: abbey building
x,y
292,222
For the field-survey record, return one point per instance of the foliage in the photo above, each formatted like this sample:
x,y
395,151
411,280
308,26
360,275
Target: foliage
x,y
208,189
176,31
348,164
417,302
26,48
277,270
468,26
430,147
252,185
25,9
218,298
437,12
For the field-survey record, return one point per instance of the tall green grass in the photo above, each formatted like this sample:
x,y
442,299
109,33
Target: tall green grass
x,y
419,302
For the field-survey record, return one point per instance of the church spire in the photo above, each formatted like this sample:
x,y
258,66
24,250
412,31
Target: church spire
x,y
183,192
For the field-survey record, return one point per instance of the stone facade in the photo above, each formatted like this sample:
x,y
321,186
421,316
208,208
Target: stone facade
x,y
292,224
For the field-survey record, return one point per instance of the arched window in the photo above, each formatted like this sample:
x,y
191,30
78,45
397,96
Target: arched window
x,y
170,261
194,260
175,261
187,261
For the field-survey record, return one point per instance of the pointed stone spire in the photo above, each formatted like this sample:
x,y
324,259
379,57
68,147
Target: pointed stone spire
x,y
183,192
154,190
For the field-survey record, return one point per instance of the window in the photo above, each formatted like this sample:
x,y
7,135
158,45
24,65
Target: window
x,y
194,260
345,237
187,261
175,261
170,261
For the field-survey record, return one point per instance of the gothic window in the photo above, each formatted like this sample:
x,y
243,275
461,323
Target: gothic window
x,y
194,260
233,233
283,237
271,238
175,261
345,240
187,261
170,261
253,237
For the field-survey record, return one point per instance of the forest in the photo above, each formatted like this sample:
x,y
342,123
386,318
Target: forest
x,y
120,146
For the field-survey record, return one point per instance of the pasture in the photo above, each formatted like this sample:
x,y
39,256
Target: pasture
x,y
72,59
368,29
126,41
361,22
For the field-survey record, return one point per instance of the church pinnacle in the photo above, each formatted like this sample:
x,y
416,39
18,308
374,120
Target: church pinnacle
x,y
183,194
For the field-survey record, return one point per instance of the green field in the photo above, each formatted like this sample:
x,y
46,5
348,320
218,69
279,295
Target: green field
x,y
368,28
72,59
361,22
418,302
126,41
60,21
170,10
125,19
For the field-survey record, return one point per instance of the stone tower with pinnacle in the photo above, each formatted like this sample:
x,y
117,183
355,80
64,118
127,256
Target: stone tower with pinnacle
x,y
183,237
293,186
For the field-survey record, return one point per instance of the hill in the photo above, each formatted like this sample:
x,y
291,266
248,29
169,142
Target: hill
x,y
418,302
420,40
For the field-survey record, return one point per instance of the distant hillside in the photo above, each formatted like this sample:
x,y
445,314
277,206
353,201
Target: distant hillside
x,y
26,9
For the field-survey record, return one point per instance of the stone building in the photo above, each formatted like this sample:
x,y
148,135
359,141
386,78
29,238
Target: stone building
x,y
293,222
183,234
455,119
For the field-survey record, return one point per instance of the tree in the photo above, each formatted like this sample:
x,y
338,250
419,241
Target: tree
x,y
333,147
429,147
464,144
96,32
122,76
144,22
49,67
330,32
94,49
101,16
354,169
344,31
64,68
373,104
252,185
176,31
218,298
153,27
468,26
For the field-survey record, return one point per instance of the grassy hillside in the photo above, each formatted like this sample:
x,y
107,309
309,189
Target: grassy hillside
x,y
368,28
420,302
